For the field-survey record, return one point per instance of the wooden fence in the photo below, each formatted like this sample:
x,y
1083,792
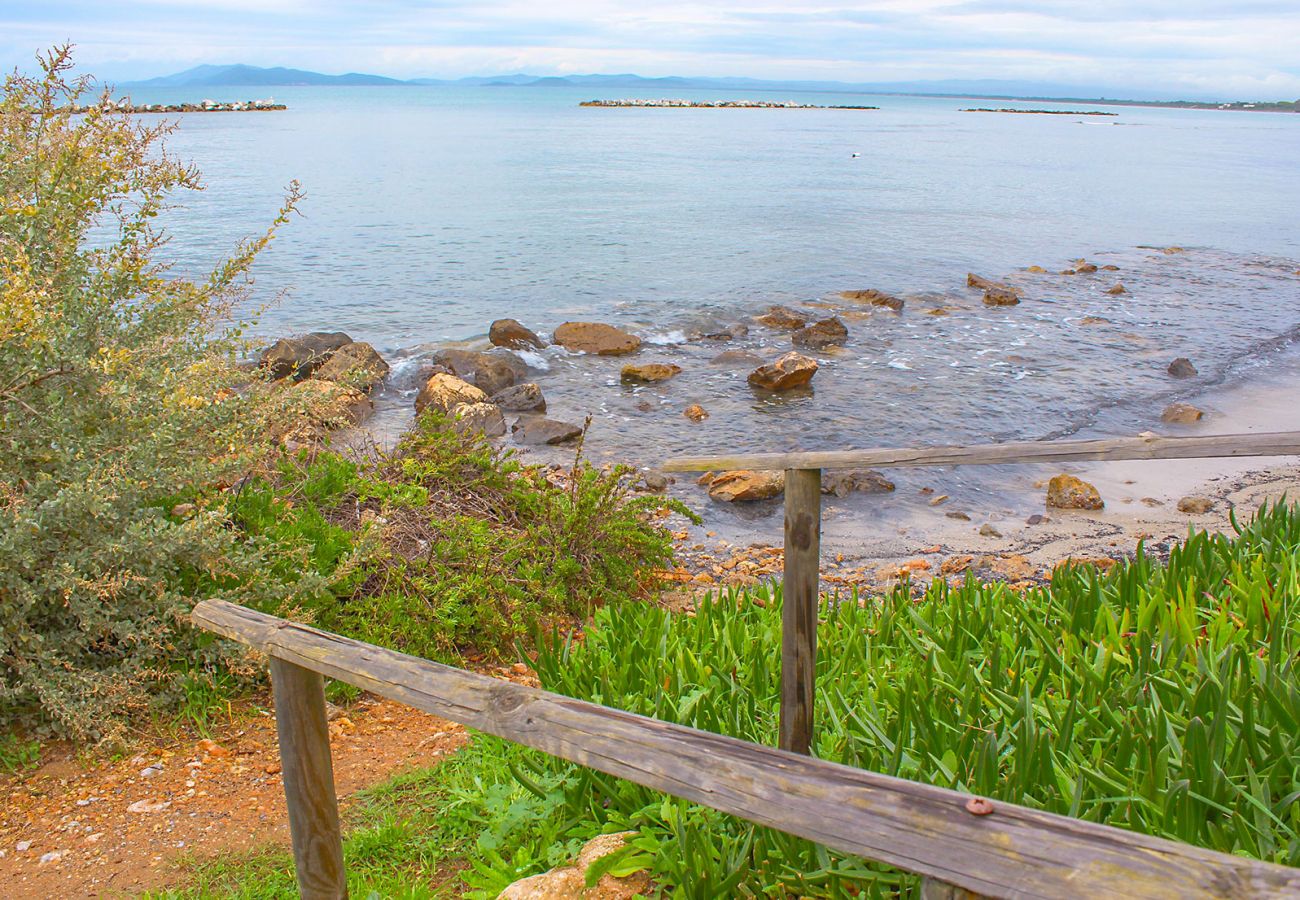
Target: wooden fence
x,y
962,845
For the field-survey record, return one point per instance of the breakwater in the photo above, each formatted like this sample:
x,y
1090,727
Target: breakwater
x,y
715,104
202,106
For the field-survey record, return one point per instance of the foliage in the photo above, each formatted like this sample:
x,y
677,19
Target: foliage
x,y
448,544
119,396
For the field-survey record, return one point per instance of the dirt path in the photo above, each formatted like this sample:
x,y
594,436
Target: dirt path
x,y
112,828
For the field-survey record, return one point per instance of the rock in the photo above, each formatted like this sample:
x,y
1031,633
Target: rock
x,y
595,337
570,882
1181,414
184,510
493,376
875,298
1036,270
23,846
729,333
1000,297
357,364
52,856
736,358
743,485
985,284
1093,320
958,515
300,356
1182,368
790,371
842,482
1110,268
148,806
1117,289
649,372
987,530
325,406
492,372
1036,519
656,482
510,333
479,418
544,431
695,413
443,393
820,335
526,397
211,748
1195,505
1067,492
1085,269
782,318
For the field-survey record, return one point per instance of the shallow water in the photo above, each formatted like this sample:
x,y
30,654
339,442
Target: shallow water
x,y
432,211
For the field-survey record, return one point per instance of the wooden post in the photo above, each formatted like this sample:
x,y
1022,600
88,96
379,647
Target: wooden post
x,y
803,525
308,781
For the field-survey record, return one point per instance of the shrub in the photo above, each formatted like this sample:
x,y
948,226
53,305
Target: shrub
x,y
119,397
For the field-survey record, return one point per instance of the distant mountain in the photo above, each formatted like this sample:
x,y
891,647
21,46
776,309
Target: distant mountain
x,y
255,76
242,75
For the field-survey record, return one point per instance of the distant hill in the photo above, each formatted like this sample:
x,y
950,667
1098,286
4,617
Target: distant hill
x,y
255,76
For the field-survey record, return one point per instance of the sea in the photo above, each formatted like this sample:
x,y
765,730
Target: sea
x,y
431,211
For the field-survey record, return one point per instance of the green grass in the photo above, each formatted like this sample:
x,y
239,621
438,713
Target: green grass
x,y
1158,697
18,755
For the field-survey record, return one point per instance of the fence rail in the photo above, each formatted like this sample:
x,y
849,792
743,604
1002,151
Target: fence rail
x,y
1011,852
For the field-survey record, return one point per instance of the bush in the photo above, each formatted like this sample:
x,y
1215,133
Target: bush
x,y
119,398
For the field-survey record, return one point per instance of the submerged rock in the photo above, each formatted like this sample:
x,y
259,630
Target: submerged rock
x,y
736,358
1086,268
1182,368
790,371
1067,492
597,338
820,335
356,363
1181,414
842,482
782,318
526,397
729,333
513,335
444,393
302,355
743,485
1000,297
649,372
987,284
695,413
875,298
1117,289
544,431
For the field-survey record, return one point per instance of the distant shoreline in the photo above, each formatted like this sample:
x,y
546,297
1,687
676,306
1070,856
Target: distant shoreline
x,y
713,104
203,106
1041,112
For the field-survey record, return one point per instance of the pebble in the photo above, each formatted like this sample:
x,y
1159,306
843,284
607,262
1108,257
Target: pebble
x,y
52,856
988,530
23,846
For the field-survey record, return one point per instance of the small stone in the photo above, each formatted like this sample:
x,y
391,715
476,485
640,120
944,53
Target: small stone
x,y
696,413
958,515
510,333
649,372
544,431
1036,519
148,806
743,485
1110,268
939,500
790,371
211,748
151,771
655,482
1067,492
1117,289
52,856
1181,414
842,482
1182,368
1085,268
875,298
987,530
1195,505
999,297
820,335
782,318
23,846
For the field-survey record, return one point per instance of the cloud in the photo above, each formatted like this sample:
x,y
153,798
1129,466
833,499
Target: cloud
x,y
1244,48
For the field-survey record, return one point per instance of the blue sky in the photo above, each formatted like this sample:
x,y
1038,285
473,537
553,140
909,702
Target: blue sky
x,y
1247,49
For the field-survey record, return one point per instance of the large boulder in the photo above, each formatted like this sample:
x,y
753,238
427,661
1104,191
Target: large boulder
x,y
492,371
820,335
479,418
743,485
1067,492
790,371
596,337
526,397
649,372
782,318
302,355
510,333
357,364
544,431
842,482
874,298
444,393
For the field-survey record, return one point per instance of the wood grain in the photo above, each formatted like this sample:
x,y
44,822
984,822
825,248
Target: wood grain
x,y
1286,443
1014,852
803,525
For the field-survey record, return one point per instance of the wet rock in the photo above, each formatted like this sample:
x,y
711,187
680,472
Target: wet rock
x,y
494,376
1036,270
790,371
1000,297
820,335
986,284
1181,414
511,334
1085,269
1036,519
357,364
736,358
695,413
875,298
300,356
596,337
842,482
655,482
743,486
649,372
729,333
988,530
1182,368
492,371
1117,289
479,418
544,431
526,397
958,515
1110,268
1195,505
1094,320
1067,492
444,393
782,318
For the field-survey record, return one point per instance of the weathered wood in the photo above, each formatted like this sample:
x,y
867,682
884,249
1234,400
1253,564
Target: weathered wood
x,y
1286,443
308,776
1014,852
803,526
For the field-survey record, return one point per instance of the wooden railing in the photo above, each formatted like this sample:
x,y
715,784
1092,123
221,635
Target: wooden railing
x,y
961,845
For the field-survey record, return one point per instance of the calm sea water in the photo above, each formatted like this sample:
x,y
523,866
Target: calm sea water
x,y
432,211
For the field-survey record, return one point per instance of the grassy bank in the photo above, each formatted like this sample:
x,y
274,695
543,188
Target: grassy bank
x,y
1157,697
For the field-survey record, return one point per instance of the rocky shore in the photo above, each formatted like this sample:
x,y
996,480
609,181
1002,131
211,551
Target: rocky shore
x,y
714,104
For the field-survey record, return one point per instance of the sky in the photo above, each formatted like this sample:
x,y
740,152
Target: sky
x,y
1217,49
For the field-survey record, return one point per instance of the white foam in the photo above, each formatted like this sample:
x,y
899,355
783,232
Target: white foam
x,y
668,337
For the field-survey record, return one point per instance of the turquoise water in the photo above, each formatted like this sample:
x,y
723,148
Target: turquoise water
x,y
432,211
